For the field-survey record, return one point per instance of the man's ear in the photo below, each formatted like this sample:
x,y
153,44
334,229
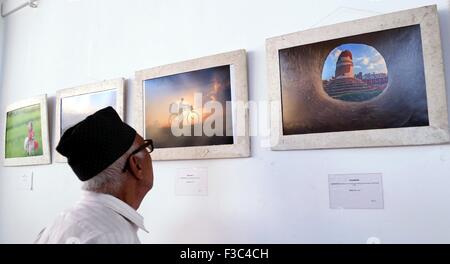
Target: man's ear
x,y
136,168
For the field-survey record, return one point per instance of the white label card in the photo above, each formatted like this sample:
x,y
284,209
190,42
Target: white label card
x,y
25,182
192,181
356,191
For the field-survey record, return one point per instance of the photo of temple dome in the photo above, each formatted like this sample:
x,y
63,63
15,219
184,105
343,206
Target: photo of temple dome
x,y
358,82
345,85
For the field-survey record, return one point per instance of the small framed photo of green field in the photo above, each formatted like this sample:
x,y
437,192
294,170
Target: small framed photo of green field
x,y
195,109
75,104
377,81
26,133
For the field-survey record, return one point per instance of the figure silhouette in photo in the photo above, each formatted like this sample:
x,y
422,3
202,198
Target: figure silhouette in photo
x,y
180,112
30,144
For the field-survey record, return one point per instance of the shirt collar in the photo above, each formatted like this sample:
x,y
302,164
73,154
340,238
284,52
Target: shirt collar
x,y
116,205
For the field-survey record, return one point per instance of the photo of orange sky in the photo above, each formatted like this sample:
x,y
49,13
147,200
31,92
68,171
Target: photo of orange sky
x,y
163,93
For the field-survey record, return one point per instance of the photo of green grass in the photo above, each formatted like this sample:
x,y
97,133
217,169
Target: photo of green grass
x,y
23,132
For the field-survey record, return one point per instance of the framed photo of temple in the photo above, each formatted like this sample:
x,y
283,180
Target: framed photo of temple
x,y
377,81
195,109
26,137
75,104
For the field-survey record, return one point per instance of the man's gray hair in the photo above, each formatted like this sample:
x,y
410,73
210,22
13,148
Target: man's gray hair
x,y
111,179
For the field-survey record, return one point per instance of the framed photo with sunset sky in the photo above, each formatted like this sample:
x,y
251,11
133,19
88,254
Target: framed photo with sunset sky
x,y
26,137
76,103
377,81
195,109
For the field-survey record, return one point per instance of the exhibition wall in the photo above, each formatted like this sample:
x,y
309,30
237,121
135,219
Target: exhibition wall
x,y
269,197
2,32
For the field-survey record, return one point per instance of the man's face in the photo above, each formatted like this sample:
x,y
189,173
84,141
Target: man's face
x,y
147,165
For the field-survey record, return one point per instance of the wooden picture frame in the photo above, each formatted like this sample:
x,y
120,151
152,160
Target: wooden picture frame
x,y
326,122
112,88
26,134
236,63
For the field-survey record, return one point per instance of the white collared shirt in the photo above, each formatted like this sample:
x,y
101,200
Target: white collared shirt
x,y
96,219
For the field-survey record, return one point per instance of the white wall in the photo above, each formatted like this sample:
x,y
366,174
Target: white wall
x,y
272,197
2,37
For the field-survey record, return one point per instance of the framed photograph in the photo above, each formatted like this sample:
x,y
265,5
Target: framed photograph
x,y
195,109
377,81
26,133
75,104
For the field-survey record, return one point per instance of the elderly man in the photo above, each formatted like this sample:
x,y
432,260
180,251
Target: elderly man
x,y
114,163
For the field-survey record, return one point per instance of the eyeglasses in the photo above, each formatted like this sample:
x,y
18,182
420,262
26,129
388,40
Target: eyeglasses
x,y
148,145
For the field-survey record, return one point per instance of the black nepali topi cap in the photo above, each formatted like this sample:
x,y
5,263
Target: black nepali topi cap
x,y
95,143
